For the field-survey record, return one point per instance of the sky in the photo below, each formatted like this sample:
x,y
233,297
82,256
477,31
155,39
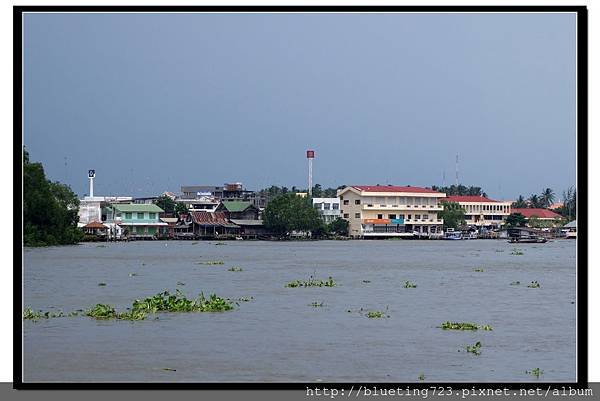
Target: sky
x,y
156,101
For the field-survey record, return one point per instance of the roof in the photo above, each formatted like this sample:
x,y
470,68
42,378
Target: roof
x,y
137,207
236,206
95,224
539,213
172,220
468,198
572,224
246,222
211,219
394,188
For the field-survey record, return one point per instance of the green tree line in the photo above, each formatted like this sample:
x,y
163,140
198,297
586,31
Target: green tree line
x,y
50,209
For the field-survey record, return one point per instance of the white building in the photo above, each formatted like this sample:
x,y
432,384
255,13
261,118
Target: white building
x,y
329,208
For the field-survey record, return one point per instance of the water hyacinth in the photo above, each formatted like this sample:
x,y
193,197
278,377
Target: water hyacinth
x,y
464,326
409,284
533,284
312,282
30,314
167,302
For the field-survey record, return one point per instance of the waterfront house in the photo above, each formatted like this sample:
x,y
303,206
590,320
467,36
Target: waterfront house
x,y
95,228
138,221
391,211
211,224
481,211
543,215
328,208
243,210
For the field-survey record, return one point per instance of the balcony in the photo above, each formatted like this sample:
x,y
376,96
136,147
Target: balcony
x,y
402,207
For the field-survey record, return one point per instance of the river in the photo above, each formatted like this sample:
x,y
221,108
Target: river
x,y
279,337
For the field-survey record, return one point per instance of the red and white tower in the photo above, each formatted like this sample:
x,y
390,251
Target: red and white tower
x,y
310,155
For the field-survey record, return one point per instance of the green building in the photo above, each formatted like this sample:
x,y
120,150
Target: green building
x,y
136,220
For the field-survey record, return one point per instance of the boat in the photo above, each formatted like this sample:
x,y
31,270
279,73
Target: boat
x,y
450,234
239,238
525,235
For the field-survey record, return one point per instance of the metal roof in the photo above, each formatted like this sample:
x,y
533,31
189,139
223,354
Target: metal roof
x,y
246,222
211,219
236,206
572,224
137,207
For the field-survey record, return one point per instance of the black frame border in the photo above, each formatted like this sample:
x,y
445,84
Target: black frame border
x,y
582,180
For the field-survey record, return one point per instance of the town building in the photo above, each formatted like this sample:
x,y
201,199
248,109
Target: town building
x,y
328,208
391,211
543,215
231,191
243,210
136,220
482,212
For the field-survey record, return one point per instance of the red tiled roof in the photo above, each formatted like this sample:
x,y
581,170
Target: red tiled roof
x,y
539,213
210,219
393,188
95,224
468,198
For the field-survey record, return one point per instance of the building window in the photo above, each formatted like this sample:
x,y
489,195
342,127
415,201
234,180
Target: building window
x,y
335,206
128,216
140,215
346,215
417,216
410,216
326,206
152,215
425,217
346,202
357,215
391,216
357,202
380,216
401,216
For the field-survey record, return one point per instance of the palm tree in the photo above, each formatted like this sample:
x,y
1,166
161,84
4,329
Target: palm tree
x,y
547,197
534,201
520,203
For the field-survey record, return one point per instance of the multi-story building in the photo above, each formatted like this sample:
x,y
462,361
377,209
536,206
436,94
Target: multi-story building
x,y
329,208
481,211
232,191
391,211
137,220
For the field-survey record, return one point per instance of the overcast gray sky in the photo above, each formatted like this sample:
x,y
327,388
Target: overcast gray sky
x,y
156,101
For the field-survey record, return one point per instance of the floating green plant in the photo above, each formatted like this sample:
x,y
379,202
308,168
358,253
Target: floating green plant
x,y
220,243
515,283
166,302
533,284
212,262
316,304
30,314
312,282
241,299
100,246
195,242
235,269
376,314
517,251
464,326
479,270
535,372
102,311
180,283
421,376
408,284
170,369
474,349
101,284
366,281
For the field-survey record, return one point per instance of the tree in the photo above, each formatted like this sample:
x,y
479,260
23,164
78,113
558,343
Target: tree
x,y
165,203
516,220
339,226
569,208
453,215
535,202
180,208
520,203
290,212
547,197
50,209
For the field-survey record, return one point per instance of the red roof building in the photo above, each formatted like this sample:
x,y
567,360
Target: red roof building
x,y
393,188
543,214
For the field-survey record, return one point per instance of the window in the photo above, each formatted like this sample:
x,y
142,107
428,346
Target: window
x,y
380,216
410,216
357,202
118,214
140,215
128,216
391,216
152,216
417,216
357,215
346,215
346,202
335,206
425,217
401,216
326,206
